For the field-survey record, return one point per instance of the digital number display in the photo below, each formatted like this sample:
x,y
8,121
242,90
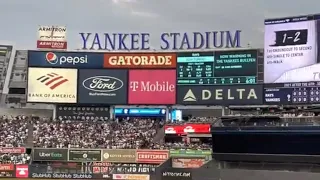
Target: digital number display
x,y
217,68
292,93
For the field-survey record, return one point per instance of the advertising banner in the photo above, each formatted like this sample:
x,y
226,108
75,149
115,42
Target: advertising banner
x,y
152,156
7,170
48,154
290,49
49,85
22,171
176,173
119,155
52,37
188,163
140,60
62,175
152,87
152,112
82,155
122,168
220,95
190,153
103,86
80,60
187,129
16,150
81,113
131,176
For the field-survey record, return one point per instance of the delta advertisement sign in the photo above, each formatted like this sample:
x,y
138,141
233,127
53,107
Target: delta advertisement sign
x,y
187,129
91,60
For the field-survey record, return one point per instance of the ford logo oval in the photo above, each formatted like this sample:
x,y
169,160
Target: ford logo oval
x,y
102,83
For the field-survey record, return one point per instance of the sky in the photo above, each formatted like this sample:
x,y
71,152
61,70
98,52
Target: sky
x,y
21,19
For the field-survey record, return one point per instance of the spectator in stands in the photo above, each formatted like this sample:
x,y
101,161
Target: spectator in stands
x,y
14,159
129,134
13,131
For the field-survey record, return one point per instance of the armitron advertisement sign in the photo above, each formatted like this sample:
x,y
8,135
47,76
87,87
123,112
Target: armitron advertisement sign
x,y
152,156
140,60
52,37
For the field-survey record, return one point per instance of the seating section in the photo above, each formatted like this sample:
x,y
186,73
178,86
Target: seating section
x,y
124,134
13,131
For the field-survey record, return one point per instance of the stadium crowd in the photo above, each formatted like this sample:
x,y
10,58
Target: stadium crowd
x,y
112,134
13,131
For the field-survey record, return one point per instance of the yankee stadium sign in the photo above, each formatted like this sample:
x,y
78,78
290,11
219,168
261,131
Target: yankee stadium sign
x,y
168,41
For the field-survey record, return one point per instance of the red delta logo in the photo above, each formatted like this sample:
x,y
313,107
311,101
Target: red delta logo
x,y
52,58
22,171
52,80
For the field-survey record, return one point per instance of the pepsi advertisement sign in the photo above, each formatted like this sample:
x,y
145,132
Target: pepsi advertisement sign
x,y
81,60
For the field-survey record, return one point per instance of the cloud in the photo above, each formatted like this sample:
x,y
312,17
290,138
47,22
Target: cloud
x,y
22,18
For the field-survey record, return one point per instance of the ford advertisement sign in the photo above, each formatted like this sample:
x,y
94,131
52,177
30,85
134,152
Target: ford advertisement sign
x,y
102,86
81,60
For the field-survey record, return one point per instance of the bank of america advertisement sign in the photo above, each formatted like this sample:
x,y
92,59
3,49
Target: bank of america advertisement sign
x,y
51,85
102,86
81,60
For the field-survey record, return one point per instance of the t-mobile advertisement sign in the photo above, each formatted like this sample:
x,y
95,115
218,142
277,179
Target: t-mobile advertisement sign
x,y
152,87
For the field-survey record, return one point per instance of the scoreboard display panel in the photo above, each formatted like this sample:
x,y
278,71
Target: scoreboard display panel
x,y
217,68
292,93
291,49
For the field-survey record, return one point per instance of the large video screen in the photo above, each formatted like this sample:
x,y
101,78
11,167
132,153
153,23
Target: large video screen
x,y
217,68
291,49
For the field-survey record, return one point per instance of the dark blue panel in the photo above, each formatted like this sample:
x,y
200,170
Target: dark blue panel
x,y
97,86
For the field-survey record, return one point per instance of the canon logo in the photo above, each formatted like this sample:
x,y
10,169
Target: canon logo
x,y
148,86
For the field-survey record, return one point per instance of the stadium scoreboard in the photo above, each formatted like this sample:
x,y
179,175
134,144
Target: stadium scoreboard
x,y
217,68
292,93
